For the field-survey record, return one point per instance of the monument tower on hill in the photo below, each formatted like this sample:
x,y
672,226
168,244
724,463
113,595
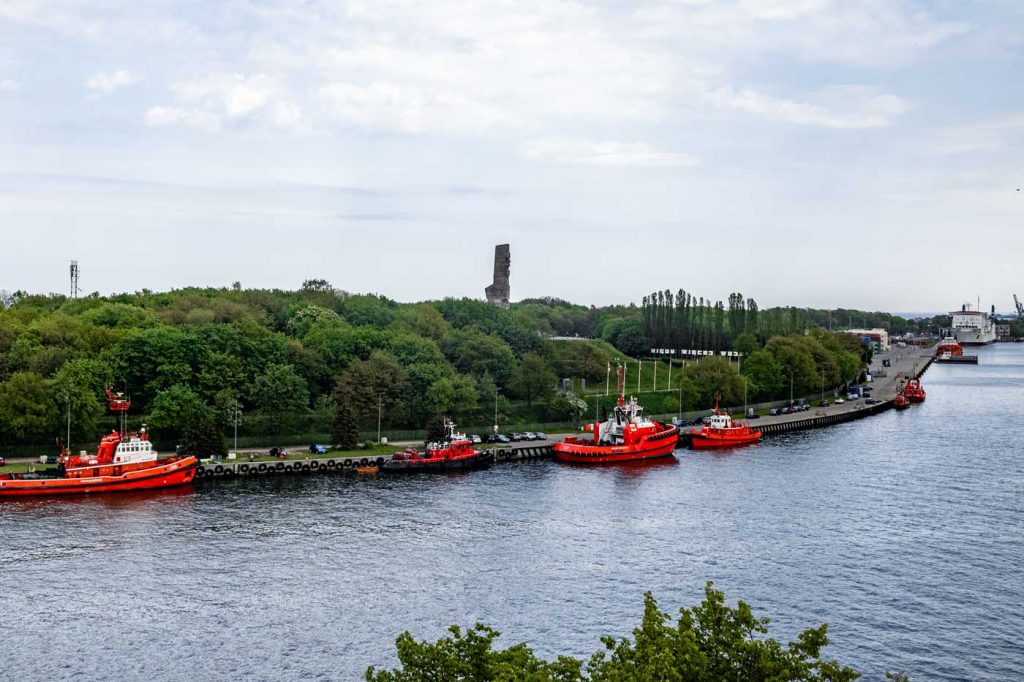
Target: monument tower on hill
x,y
497,294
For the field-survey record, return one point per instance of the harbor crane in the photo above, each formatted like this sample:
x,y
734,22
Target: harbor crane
x,y
1020,306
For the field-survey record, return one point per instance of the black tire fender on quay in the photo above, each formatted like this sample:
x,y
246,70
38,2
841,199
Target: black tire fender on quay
x,y
380,461
364,461
314,464
346,463
218,469
200,472
306,468
331,464
209,473
244,468
280,466
262,467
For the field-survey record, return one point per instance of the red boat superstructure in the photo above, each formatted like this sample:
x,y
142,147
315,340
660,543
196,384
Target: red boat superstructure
x,y
949,348
627,436
913,391
123,461
723,432
900,402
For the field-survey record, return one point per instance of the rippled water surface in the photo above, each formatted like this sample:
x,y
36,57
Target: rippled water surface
x,y
903,532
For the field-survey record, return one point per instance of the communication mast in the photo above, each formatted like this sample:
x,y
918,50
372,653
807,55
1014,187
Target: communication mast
x,y
74,279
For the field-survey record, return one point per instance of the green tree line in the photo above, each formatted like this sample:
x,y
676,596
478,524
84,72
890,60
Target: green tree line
x,y
709,642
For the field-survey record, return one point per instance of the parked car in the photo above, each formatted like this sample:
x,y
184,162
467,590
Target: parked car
x,y
318,449
3,462
476,439
529,435
805,407
824,403
541,435
752,413
278,452
697,421
502,438
514,437
774,412
839,401
871,401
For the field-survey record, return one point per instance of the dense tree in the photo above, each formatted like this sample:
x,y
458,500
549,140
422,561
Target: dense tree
x,y
715,375
77,389
202,437
533,378
174,409
281,396
707,643
344,433
379,381
27,411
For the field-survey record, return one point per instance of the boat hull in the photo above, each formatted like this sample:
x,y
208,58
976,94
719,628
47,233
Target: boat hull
x,y
705,441
662,444
413,466
107,479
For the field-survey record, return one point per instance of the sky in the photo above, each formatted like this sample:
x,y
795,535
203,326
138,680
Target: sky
x,y
819,153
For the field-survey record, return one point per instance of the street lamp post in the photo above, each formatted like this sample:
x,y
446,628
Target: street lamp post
x,y
236,415
380,404
495,410
791,388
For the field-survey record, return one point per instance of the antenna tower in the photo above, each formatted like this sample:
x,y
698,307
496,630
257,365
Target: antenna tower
x,y
74,279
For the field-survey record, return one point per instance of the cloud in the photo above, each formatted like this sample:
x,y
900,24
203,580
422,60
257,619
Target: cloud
x,y
988,136
189,118
106,83
604,153
842,107
409,109
9,85
224,98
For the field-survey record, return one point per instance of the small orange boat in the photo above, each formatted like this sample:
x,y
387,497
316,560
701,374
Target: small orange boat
x,y
900,402
723,432
123,461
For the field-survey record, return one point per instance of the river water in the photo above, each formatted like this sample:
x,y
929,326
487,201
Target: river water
x,y
903,532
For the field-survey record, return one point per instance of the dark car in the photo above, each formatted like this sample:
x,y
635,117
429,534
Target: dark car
x,y
697,421
502,438
3,462
752,414
278,452
491,438
774,412
871,401
824,403
318,449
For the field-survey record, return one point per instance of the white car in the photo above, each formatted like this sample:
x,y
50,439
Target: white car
x,y
839,401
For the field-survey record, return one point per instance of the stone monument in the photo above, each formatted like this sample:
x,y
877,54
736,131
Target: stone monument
x,y
497,294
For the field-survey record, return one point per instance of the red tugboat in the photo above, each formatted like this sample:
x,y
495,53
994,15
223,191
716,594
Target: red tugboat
x,y
123,462
900,402
455,452
913,391
627,436
723,432
949,348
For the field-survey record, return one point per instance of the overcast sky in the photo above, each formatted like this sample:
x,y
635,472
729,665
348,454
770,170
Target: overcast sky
x,y
817,153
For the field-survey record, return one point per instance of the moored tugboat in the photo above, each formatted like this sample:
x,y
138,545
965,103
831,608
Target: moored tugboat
x,y
453,453
123,462
627,436
723,432
900,402
913,391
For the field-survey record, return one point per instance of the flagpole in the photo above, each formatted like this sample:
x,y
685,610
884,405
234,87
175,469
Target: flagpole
x,y
607,378
639,370
654,384
670,374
